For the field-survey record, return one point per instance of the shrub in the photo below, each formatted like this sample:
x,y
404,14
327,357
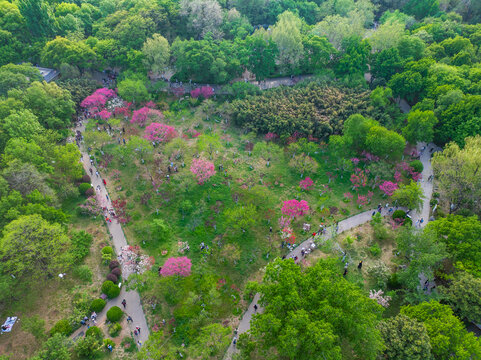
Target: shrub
x,y
375,250
399,214
112,278
97,305
84,273
110,289
114,314
113,264
89,192
107,250
116,271
95,332
417,166
81,242
61,327
86,179
83,187
128,343
114,329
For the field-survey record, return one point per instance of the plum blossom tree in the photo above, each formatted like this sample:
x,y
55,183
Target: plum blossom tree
x,y
180,266
203,170
358,179
121,111
98,98
105,114
306,184
294,208
388,187
160,132
362,200
139,117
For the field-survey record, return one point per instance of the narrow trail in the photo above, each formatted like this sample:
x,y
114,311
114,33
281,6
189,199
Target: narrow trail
x,y
134,305
345,225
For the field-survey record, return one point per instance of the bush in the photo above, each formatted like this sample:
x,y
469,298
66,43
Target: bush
x,y
114,329
110,289
97,305
128,344
107,250
95,332
61,327
83,187
116,271
399,214
81,242
114,314
90,192
417,165
86,179
113,264
112,278
375,250
84,273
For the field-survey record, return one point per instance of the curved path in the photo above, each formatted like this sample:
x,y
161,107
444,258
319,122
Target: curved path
x,y
347,224
134,305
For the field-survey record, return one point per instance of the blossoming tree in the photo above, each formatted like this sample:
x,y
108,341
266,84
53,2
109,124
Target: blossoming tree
x,y
180,266
306,184
294,208
388,187
202,169
160,132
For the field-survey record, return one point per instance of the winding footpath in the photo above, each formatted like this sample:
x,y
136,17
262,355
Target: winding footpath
x,y
345,225
134,305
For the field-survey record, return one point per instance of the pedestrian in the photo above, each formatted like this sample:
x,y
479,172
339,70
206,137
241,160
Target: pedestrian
x,y
107,197
97,173
421,221
360,265
236,330
255,308
160,269
345,272
234,341
270,229
124,303
140,343
109,347
373,213
123,140
138,329
129,318
91,171
105,182
136,333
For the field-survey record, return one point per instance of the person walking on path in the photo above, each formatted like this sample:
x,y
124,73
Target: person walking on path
x,y
360,265
255,308
107,197
105,182
124,303
129,318
97,173
138,329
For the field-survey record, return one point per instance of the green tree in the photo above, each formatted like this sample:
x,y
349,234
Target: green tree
x,y
286,33
213,339
87,347
31,247
387,36
242,217
160,231
22,124
156,52
318,52
457,174
56,347
356,129
410,196
420,126
462,237
38,17
267,151
203,16
385,143
260,56
353,62
310,314
447,333
411,48
303,164
67,163
423,254
405,338
463,294
133,90
421,8
209,143
386,64
63,51
26,152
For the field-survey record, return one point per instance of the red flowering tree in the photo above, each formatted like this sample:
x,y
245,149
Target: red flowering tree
x,y
160,132
202,169
139,117
106,93
362,200
206,92
93,100
347,196
388,187
150,105
121,111
105,115
180,266
358,179
306,183
294,208
270,136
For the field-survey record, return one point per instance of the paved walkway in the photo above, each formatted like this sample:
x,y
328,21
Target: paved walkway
x,y
134,305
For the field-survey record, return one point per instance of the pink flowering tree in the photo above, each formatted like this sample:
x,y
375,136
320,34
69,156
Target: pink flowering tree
x,y
105,115
355,161
121,111
294,208
388,187
358,179
195,93
160,132
284,222
206,91
150,105
107,93
362,200
348,196
93,101
140,116
202,169
180,266
306,183
397,176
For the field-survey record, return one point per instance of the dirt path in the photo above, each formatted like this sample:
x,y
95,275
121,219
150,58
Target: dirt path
x,y
134,305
